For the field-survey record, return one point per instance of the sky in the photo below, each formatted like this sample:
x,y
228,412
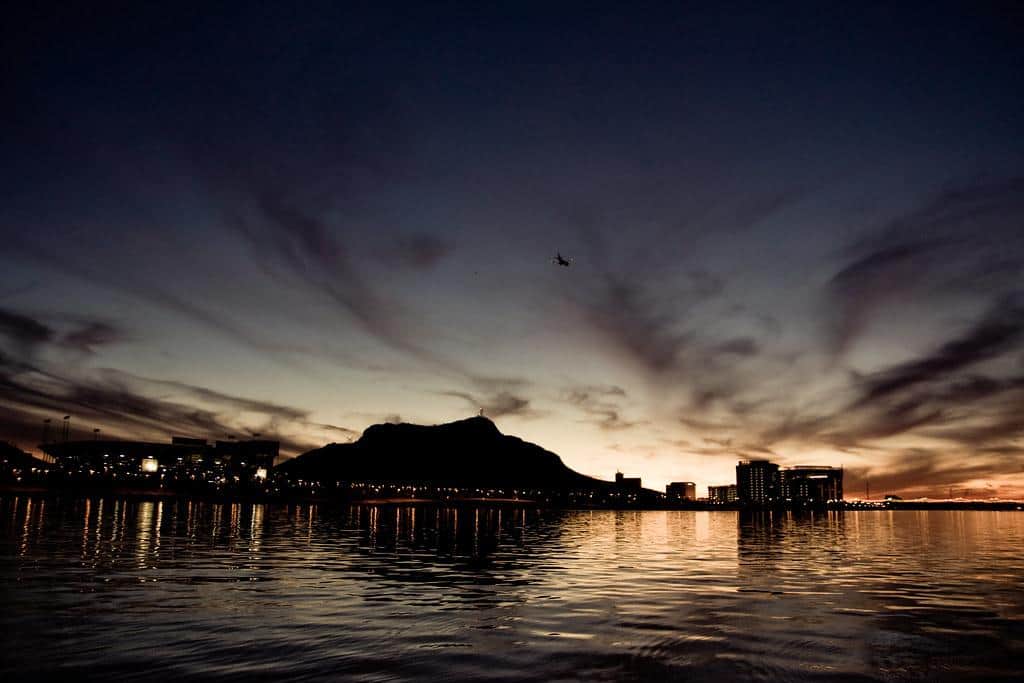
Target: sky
x,y
797,231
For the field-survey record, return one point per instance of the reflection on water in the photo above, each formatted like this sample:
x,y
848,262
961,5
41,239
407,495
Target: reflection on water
x,y
136,589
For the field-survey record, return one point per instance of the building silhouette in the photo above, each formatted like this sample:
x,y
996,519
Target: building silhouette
x,y
812,485
757,482
722,494
631,483
760,482
681,490
183,460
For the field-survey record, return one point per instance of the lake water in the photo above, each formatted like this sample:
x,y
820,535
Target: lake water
x,y
100,588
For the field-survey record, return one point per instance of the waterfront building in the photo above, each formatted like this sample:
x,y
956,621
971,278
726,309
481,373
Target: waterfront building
x,y
183,460
681,490
757,482
760,482
812,485
722,494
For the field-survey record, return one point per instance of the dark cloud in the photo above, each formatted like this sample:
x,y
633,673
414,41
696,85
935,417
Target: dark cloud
x,y
601,405
300,199
640,322
924,472
418,252
642,313
121,408
852,428
500,404
294,240
349,433
740,346
123,404
497,396
999,331
113,406
963,240
493,384
856,291
23,333
978,212
92,334
997,426
944,394
981,412
221,399
667,327
149,291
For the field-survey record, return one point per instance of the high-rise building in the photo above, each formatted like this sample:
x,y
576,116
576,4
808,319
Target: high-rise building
x,y
722,494
757,482
681,490
812,485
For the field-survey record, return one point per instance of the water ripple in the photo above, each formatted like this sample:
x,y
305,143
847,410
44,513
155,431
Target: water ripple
x,y
96,587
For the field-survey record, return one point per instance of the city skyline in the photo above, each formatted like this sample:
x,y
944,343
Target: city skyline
x,y
795,235
184,457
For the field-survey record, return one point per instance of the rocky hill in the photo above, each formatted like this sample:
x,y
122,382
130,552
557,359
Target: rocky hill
x,y
470,452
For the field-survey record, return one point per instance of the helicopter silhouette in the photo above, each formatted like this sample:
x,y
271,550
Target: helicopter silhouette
x,y
559,260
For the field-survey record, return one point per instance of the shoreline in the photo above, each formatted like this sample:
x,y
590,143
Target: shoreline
x,y
164,494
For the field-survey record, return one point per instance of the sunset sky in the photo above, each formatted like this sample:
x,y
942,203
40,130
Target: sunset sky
x,y
797,233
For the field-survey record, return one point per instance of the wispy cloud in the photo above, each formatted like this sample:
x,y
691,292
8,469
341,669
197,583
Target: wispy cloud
x,y
297,243
420,251
963,239
89,335
856,291
149,291
22,335
999,331
738,346
926,472
500,404
121,403
601,404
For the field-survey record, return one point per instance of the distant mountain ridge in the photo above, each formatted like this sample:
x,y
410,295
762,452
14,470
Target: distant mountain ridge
x,y
471,452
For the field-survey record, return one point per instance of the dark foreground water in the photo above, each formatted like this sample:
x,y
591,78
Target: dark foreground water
x,y
108,588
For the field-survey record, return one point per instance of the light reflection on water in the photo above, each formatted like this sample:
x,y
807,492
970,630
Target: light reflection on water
x,y
136,589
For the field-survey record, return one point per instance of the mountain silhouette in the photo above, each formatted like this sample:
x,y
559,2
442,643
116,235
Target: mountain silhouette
x,y
471,452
